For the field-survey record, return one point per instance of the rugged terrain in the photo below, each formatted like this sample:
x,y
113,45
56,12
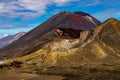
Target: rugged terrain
x,y
73,45
59,27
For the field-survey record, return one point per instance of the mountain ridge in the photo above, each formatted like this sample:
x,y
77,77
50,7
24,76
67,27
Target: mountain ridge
x,y
84,54
63,21
10,38
96,50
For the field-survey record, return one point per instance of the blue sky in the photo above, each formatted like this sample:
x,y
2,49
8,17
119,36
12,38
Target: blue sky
x,y
24,15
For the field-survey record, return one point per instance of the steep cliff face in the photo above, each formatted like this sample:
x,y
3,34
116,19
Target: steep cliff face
x,y
59,31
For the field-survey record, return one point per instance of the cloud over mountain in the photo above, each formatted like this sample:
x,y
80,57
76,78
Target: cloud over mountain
x,y
28,8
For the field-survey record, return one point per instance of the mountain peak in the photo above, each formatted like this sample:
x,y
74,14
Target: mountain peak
x,y
77,12
111,20
76,20
81,13
21,33
64,25
5,35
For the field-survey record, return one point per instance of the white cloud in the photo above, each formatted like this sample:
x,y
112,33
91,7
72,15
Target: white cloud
x,y
28,8
93,2
63,2
9,25
89,3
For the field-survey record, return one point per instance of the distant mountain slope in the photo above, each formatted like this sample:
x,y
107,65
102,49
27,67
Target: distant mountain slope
x,y
10,38
63,25
5,40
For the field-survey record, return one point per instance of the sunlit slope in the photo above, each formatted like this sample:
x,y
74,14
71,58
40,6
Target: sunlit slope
x,y
65,22
105,47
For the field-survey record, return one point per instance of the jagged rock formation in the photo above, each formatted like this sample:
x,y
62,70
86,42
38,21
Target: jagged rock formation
x,y
62,32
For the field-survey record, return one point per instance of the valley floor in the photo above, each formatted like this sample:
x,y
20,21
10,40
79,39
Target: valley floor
x,y
101,71
16,75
